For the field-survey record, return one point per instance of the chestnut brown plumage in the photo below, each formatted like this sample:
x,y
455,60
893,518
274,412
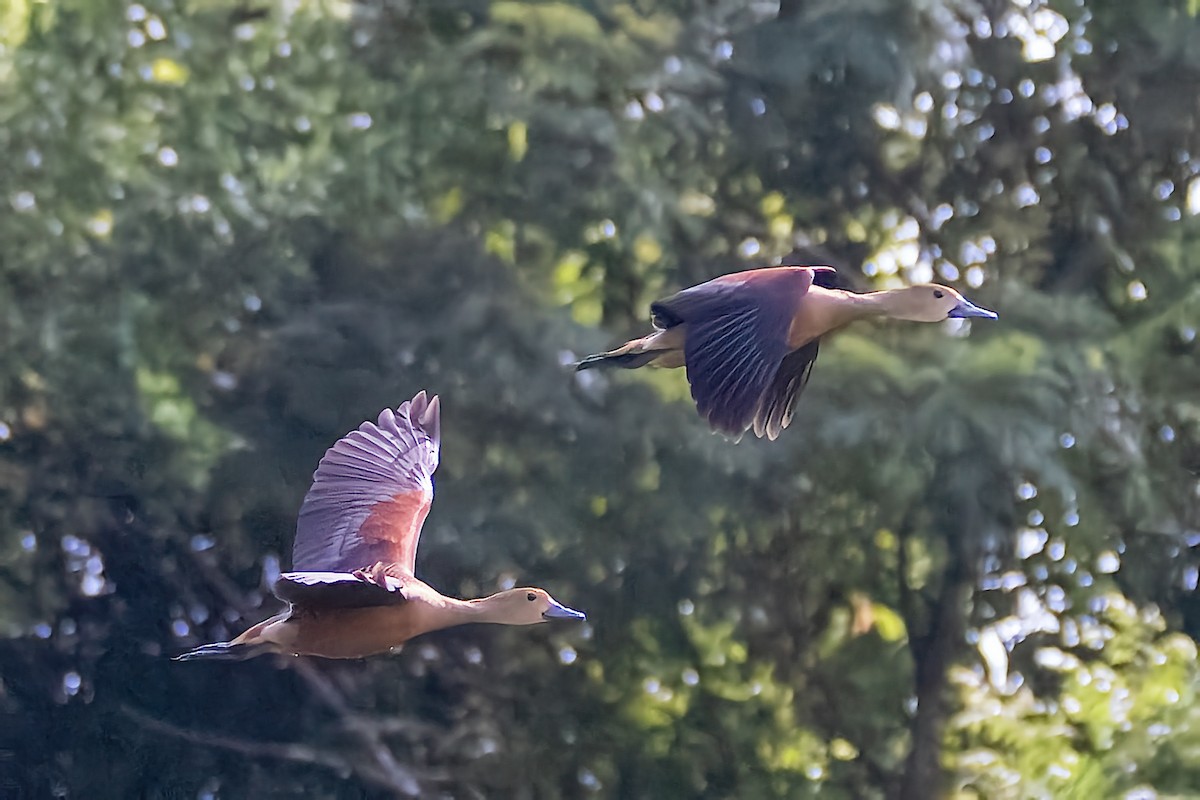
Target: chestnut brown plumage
x,y
749,339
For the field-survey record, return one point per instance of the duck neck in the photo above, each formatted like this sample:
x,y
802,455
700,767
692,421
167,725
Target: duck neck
x,y
439,612
853,307
893,303
827,310
481,610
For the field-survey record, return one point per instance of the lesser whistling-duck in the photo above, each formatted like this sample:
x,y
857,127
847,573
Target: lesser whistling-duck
x,y
353,592
749,339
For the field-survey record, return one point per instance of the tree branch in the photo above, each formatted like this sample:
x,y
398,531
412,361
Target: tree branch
x,y
290,751
299,753
943,639
400,778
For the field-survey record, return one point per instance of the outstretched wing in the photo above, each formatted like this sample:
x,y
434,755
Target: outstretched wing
x,y
371,492
737,336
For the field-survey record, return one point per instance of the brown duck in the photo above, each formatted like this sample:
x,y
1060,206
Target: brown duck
x,y
749,339
353,592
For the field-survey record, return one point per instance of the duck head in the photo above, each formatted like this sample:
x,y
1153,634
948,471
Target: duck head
x,y
528,606
932,302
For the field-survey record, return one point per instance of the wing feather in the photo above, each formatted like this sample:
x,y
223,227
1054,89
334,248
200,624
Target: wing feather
x,y
779,401
728,381
371,492
737,338
330,590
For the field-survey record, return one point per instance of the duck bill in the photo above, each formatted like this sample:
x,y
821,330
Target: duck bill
x,y
559,611
966,310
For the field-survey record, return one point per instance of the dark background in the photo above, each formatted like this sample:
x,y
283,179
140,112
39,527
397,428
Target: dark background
x,y
231,231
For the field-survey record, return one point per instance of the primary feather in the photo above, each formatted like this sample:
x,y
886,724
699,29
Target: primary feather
x,y
371,492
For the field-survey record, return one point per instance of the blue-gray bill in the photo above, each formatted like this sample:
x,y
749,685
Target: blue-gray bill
x,y
966,309
559,611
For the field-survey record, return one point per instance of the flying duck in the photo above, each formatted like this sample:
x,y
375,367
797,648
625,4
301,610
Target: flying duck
x,y
353,592
749,339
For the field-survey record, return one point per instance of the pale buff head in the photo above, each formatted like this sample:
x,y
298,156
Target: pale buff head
x,y
526,606
930,302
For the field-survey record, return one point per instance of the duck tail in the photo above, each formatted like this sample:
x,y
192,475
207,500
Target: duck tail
x,y
225,651
614,359
631,355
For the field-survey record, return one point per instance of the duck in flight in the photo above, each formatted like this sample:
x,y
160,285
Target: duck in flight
x,y
353,592
749,339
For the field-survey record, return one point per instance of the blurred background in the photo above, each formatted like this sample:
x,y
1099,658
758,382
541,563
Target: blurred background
x,y
230,230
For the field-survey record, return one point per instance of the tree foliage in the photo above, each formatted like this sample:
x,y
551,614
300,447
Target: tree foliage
x,y
233,231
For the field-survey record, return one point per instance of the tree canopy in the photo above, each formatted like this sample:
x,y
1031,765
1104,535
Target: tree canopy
x,y
231,231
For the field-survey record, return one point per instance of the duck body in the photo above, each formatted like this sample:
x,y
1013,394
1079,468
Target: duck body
x,y
354,633
749,339
321,621
354,593
344,633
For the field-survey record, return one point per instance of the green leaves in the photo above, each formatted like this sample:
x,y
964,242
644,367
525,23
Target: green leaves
x,y
1117,717
233,232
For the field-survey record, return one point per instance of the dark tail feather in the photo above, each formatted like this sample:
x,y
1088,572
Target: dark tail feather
x,y
224,651
616,358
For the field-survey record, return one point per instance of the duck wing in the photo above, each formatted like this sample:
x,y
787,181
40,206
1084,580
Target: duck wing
x,y
370,495
779,401
737,338
384,585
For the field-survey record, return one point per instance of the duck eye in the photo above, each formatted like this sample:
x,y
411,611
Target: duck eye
x,y
939,294
531,597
